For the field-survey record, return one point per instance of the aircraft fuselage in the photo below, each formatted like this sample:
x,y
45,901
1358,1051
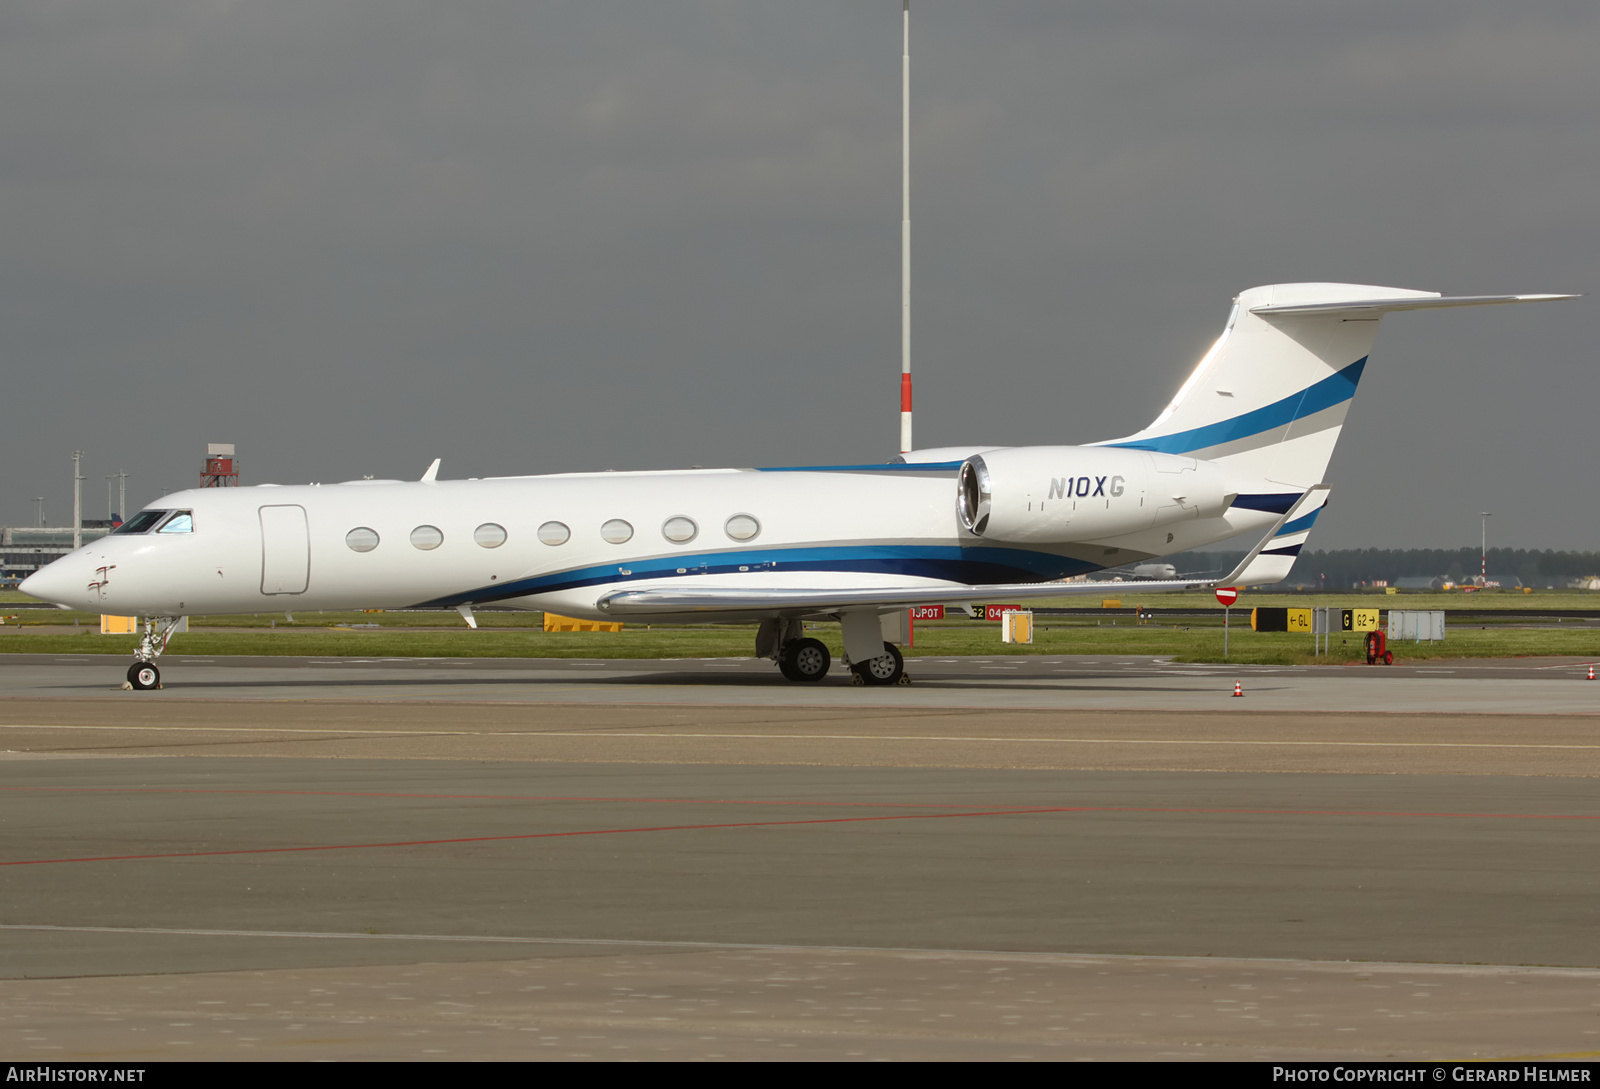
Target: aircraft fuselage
x,y
563,542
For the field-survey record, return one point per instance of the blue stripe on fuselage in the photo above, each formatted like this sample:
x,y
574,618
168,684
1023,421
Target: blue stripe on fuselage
x,y
1332,390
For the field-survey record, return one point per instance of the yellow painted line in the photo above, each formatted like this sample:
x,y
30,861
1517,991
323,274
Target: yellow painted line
x,y
603,733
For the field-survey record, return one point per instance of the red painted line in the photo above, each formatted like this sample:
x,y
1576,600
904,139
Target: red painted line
x,y
905,393
520,836
488,797
1028,811
623,799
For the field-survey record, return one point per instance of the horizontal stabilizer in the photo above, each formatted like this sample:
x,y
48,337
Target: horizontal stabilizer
x,y
1376,307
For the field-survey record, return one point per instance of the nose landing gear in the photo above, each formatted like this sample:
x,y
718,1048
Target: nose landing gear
x,y
158,630
143,676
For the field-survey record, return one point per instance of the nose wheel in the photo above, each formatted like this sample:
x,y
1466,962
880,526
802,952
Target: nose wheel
x,y
158,631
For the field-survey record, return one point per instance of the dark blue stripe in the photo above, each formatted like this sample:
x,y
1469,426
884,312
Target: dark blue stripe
x,y
977,565
1289,550
1272,502
1332,390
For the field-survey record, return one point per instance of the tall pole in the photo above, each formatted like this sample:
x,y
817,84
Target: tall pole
x,y
1483,555
38,501
77,499
905,232
122,494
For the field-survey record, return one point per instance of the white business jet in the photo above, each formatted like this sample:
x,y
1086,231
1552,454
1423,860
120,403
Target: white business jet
x,y
1242,448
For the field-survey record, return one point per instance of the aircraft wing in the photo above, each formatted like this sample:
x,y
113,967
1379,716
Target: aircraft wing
x,y
1255,568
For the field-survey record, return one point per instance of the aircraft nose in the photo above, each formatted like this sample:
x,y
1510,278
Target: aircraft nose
x,y
53,583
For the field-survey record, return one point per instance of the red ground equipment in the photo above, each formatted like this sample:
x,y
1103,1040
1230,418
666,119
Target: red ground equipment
x,y
1378,649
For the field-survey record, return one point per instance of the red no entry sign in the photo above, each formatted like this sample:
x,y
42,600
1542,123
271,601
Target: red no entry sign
x,y
1227,595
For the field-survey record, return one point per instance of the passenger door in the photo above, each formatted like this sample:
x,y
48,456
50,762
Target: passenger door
x,y
285,550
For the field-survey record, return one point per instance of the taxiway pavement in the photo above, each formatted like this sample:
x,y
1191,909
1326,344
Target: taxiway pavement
x,y
1091,859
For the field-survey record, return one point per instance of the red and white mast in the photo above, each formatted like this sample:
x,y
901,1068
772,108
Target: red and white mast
x,y
905,234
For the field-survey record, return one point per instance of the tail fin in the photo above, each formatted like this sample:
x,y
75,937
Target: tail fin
x,y
1270,397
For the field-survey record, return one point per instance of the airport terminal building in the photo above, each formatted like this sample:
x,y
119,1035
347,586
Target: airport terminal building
x,y
25,549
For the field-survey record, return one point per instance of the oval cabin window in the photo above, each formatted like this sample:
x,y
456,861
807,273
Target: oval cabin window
x,y
679,530
427,538
617,531
742,527
490,535
361,539
554,533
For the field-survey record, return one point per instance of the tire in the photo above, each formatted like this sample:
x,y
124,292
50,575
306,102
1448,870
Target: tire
x,y
144,676
804,660
887,668
1388,657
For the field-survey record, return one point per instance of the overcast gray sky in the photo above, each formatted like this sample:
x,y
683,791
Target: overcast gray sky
x,y
532,237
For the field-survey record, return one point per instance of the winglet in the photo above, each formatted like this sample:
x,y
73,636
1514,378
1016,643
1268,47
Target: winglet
x,y
433,472
1241,575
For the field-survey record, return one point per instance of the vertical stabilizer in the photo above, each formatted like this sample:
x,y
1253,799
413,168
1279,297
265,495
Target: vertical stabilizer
x,y
1270,397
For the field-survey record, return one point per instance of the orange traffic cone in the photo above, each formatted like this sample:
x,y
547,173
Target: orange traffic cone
x,y
1591,672
1238,689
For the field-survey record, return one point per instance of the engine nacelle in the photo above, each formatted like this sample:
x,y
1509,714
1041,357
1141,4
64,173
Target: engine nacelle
x,y
1058,494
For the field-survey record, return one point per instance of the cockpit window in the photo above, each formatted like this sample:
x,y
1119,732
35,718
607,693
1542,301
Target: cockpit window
x,y
142,522
182,521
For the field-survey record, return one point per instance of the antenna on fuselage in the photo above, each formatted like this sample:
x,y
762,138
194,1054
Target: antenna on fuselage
x,y
905,231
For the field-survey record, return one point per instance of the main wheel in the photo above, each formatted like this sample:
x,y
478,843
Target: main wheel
x,y
804,660
144,676
887,668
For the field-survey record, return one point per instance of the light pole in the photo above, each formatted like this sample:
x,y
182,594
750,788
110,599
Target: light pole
x,y
122,494
77,499
1483,525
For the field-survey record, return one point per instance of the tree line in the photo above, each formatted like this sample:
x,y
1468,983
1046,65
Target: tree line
x,y
1341,567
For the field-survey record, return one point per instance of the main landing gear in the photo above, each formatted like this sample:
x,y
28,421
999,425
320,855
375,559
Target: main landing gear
x,y
804,660
143,674
888,668
801,658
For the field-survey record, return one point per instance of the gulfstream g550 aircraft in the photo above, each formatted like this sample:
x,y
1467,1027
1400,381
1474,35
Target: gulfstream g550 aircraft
x,y
1242,448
